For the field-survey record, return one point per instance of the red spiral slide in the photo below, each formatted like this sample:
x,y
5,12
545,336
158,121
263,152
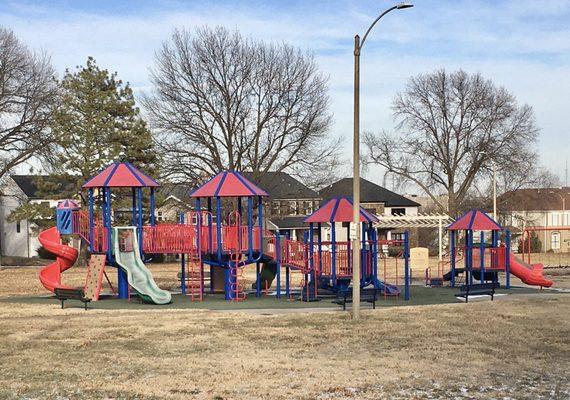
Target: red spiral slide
x,y
50,275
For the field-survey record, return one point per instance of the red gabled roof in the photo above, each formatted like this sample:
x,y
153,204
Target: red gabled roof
x,y
228,184
122,174
475,220
338,210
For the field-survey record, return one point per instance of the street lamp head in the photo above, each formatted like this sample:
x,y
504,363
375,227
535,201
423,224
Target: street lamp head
x,y
403,5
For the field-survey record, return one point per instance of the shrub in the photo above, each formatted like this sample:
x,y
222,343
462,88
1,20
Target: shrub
x,y
535,244
44,254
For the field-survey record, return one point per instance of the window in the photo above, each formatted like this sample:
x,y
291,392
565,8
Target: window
x,y
159,216
555,240
18,227
398,211
555,219
397,236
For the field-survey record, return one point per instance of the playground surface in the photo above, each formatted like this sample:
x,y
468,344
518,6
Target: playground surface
x,y
519,348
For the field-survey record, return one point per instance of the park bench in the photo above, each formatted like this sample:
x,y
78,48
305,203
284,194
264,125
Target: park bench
x,y
475,289
344,297
71,294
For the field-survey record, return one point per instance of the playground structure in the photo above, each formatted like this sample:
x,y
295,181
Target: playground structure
x,y
332,260
225,234
483,261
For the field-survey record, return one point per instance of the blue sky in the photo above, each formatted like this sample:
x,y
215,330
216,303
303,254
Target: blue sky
x,y
521,45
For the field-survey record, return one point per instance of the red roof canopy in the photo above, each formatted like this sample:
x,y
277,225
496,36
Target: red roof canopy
x,y
122,174
228,184
68,204
338,209
475,220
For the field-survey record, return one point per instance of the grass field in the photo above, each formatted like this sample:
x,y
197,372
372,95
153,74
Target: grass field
x,y
516,347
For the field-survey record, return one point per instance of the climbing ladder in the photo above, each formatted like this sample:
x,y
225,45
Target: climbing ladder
x,y
236,269
195,272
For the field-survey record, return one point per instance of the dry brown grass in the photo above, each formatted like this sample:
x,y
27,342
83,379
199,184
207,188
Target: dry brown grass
x,y
517,348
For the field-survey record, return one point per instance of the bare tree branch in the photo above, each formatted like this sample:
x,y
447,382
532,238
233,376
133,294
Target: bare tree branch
x,y
451,126
27,92
221,101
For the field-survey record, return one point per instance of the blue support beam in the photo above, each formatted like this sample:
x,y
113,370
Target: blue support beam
x,y
482,255
406,265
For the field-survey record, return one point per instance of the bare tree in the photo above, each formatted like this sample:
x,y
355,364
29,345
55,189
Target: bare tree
x,y
27,91
223,101
451,126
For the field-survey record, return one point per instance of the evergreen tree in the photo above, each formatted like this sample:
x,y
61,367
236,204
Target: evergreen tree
x,y
96,123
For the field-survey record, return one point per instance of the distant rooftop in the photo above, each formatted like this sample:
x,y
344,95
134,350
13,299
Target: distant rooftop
x,y
282,186
369,193
538,199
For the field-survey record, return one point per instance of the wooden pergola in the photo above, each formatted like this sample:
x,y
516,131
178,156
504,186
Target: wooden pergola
x,y
420,220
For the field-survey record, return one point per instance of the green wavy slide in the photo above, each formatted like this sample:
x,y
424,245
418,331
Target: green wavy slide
x,y
140,277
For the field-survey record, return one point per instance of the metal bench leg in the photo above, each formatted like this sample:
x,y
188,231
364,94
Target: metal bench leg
x,y
374,305
62,303
85,306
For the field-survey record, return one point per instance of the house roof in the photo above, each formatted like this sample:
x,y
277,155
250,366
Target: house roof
x,y
339,209
369,193
228,184
28,185
475,220
537,199
281,185
120,174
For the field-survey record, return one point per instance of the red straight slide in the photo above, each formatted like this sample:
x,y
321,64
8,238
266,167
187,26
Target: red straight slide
x,y
529,274
50,275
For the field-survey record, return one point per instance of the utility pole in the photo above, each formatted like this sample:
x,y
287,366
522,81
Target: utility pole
x,y
356,165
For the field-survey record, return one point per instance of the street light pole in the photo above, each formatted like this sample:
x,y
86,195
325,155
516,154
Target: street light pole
x,y
356,165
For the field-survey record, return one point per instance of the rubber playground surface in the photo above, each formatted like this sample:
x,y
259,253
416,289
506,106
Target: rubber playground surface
x,y
420,295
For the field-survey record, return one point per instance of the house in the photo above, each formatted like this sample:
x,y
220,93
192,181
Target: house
x,y
542,207
375,199
19,238
289,202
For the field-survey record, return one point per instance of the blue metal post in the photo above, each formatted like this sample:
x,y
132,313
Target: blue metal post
x,y
374,238
134,207
210,226
140,220
199,239
91,220
219,229
250,227
279,261
482,255
311,253
257,280
239,210
320,247
406,265
182,260
363,255
507,259
260,221
152,217
470,255
333,255
452,257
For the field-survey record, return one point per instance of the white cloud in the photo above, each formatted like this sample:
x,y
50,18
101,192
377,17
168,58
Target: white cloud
x,y
521,45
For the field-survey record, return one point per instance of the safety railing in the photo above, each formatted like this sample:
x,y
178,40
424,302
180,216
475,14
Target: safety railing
x,y
169,238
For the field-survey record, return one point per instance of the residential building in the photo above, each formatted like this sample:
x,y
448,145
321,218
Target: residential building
x,y
20,238
543,207
288,204
375,199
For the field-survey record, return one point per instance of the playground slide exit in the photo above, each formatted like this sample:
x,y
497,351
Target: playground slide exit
x,y
50,275
529,274
139,276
